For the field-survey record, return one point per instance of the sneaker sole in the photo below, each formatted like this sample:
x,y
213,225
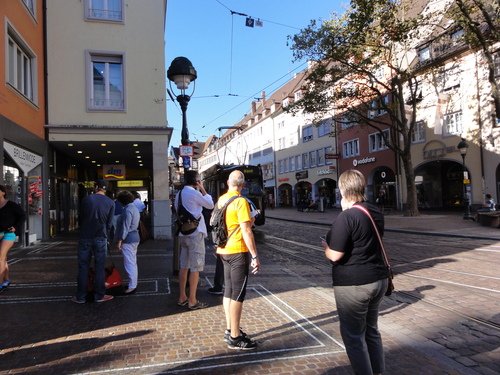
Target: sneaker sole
x,y
103,300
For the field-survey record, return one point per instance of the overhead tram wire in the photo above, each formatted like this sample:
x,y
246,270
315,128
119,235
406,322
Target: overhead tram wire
x,y
253,95
259,18
232,38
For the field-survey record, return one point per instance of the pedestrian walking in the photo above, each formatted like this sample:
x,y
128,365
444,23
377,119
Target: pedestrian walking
x,y
359,275
127,238
236,260
12,218
381,198
192,246
97,213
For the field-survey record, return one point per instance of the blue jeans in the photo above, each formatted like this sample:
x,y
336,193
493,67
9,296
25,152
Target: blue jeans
x,y
357,307
86,247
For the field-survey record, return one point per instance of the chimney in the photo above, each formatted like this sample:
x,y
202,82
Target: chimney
x,y
254,107
263,98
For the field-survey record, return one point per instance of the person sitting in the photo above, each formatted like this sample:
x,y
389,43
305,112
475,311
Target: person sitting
x,y
488,206
313,206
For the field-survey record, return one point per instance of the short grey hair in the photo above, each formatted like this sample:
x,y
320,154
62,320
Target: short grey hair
x,y
236,178
352,185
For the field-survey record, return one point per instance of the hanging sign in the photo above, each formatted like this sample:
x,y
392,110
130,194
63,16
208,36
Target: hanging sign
x,y
186,150
25,160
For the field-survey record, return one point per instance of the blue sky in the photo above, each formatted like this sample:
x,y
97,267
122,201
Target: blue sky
x,y
232,60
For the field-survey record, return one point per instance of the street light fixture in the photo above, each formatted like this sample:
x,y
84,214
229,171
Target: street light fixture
x,y
182,73
462,147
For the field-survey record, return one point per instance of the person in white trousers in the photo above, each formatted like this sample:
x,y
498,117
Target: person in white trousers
x,y
127,237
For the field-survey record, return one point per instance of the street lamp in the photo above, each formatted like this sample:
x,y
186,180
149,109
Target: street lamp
x,y
182,73
462,147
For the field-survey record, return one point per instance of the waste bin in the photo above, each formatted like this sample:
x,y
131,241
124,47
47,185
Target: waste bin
x,y
321,205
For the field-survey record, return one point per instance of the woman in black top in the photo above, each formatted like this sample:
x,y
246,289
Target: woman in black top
x,y
359,275
11,220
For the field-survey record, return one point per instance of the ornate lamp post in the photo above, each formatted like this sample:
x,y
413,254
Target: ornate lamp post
x,y
462,147
182,73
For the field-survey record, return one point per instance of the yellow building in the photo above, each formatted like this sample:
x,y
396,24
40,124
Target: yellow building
x,y
106,104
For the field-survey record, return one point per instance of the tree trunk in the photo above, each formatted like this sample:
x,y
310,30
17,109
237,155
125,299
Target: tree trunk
x,y
411,188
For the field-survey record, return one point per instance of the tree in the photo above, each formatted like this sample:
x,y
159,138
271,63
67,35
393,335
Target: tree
x,y
480,19
361,58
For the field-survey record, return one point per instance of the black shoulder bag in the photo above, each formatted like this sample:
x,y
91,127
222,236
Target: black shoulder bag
x,y
186,222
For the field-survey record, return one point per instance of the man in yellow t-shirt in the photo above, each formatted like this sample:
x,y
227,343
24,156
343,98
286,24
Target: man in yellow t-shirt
x,y
236,259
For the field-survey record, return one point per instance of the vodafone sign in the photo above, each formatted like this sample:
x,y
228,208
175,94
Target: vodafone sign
x,y
363,161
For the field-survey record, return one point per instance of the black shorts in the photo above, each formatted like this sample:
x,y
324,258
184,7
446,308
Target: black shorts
x,y
236,269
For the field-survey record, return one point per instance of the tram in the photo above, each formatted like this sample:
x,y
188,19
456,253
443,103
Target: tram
x,y
215,181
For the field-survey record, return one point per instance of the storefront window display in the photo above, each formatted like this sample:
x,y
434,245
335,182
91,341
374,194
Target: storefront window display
x,y
13,183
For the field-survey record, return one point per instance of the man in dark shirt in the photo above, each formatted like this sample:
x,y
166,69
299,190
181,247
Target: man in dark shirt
x,y
97,218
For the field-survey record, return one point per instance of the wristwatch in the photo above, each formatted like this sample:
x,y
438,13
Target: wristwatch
x,y
255,257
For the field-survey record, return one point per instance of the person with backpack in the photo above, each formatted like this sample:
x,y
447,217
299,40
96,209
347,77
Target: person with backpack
x,y
235,254
192,245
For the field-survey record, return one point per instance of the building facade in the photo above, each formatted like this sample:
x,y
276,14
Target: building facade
x,y
23,111
106,105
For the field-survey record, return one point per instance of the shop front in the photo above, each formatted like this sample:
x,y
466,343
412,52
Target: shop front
x,y
326,187
22,178
440,184
382,185
285,196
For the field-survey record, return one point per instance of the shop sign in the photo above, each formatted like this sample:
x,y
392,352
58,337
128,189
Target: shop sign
x,y
324,171
363,161
130,183
114,171
301,175
332,156
438,150
25,160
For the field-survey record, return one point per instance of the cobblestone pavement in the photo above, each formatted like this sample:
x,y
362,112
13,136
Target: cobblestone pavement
x,y
42,332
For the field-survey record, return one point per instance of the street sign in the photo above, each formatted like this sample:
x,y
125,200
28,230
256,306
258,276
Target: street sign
x,y
186,162
186,150
466,181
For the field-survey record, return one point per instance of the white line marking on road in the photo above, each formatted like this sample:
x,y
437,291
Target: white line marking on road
x,y
258,354
191,369
488,250
300,315
154,292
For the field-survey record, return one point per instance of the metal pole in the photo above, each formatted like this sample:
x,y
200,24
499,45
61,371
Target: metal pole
x,y
183,102
466,196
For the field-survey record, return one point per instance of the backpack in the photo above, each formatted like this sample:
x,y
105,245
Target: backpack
x,y
218,223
